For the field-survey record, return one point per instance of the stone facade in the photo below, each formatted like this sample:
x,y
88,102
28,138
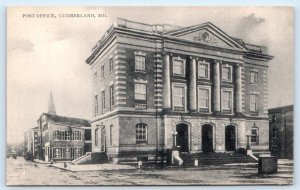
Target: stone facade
x,y
152,81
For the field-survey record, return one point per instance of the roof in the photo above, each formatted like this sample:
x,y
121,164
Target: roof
x,y
68,120
281,109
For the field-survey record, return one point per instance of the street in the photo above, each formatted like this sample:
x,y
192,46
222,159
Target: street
x,y
21,172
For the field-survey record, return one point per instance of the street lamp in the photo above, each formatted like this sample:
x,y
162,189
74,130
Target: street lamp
x,y
248,140
174,133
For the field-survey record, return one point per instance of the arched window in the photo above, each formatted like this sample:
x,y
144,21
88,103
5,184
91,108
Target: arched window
x,y
141,133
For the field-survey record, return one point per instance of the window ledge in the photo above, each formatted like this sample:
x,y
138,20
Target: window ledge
x,y
141,143
204,78
225,80
140,71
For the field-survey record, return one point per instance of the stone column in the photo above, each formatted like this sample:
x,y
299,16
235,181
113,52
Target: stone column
x,y
216,88
167,83
238,89
192,85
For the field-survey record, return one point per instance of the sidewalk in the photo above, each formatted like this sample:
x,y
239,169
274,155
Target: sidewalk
x,y
40,161
93,167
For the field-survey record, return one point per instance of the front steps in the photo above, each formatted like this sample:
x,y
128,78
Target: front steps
x,y
215,158
91,158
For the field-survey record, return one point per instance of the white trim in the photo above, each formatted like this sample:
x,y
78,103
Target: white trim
x,y
140,81
182,85
184,66
232,95
209,96
254,92
231,72
140,53
203,62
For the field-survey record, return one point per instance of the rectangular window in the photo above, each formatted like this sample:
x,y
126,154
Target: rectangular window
x,y
111,65
203,70
95,78
141,133
203,99
254,136
253,77
140,91
56,135
103,99
102,72
226,73
57,152
227,101
253,102
77,136
139,63
67,135
96,105
112,97
178,67
62,135
111,135
77,152
68,153
96,137
179,98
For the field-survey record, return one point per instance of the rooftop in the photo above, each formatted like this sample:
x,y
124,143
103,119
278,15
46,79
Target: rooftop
x,y
165,29
281,109
68,120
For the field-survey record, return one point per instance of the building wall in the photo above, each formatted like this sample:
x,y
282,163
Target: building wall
x,y
259,88
160,52
281,131
112,135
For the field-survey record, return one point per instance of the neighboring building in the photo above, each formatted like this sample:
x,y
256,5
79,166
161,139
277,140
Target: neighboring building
x,y
35,142
61,138
282,131
151,81
31,142
28,142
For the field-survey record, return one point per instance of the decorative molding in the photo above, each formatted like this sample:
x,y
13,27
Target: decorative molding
x,y
140,81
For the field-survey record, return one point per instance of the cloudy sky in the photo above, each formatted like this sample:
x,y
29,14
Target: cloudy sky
x,y
46,54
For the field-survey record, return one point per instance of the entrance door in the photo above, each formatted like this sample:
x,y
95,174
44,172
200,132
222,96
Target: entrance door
x,y
207,138
182,138
230,138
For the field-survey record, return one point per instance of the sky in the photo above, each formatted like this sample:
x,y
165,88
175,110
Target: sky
x,y
48,54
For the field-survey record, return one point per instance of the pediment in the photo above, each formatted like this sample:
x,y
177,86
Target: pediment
x,y
207,34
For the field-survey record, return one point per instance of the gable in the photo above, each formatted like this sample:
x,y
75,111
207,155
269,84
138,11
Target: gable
x,y
206,34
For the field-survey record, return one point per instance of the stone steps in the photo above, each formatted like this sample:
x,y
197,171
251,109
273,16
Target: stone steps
x,y
216,158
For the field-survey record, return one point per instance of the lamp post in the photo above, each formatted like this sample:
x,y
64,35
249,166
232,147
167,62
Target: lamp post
x,y
248,140
174,133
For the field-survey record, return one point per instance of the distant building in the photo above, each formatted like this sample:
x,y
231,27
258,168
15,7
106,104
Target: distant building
x,y
152,82
282,131
31,142
63,138
60,138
